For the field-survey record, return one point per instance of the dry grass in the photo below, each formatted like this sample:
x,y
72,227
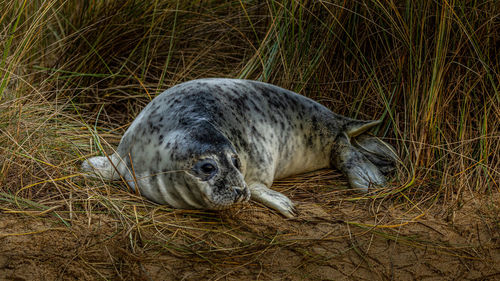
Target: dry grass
x,y
73,75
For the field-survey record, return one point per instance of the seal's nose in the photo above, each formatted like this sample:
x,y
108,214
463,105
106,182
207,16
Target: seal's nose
x,y
241,194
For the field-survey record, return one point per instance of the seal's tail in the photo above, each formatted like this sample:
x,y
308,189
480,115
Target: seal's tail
x,y
103,166
380,153
364,159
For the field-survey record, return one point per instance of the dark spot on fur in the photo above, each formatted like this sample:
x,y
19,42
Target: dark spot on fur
x,y
314,123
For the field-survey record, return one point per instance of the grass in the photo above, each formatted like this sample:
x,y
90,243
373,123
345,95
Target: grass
x,y
74,74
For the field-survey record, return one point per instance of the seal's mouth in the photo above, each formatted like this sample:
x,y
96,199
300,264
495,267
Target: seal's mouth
x,y
242,196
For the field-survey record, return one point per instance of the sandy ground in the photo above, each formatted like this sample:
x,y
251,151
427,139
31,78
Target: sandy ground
x,y
332,239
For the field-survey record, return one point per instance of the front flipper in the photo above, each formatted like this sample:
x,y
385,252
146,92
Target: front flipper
x,y
273,199
361,172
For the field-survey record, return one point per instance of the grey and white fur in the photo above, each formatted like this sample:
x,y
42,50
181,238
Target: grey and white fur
x,y
211,143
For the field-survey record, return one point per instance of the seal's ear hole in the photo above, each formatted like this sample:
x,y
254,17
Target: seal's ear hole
x,y
236,162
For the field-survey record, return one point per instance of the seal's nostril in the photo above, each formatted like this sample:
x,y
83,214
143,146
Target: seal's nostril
x,y
240,194
238,191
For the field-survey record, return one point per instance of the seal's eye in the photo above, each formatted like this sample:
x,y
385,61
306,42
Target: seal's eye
x,y
236,162
207,168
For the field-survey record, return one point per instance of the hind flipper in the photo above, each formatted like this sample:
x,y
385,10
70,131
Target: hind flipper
x,y
360,171
100,166
380,153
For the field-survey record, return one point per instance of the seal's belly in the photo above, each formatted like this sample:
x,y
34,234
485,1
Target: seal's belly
x,y
298,157
284,150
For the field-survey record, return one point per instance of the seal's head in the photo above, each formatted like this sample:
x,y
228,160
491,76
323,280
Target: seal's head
x,y
217,177
212,177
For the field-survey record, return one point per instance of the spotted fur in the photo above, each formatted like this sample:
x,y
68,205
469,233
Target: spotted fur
x,y
251,132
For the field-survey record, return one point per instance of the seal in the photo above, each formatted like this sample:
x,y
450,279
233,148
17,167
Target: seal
x,y
211,143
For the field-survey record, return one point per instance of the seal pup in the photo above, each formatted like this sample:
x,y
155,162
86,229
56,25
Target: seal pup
x,y
211,143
